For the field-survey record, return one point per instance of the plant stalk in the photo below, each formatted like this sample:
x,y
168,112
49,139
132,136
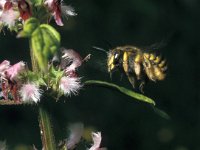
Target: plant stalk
x,y
48,140
34,63
47,136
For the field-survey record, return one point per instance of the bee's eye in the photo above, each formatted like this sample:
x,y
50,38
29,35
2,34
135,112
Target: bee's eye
x,y
116,58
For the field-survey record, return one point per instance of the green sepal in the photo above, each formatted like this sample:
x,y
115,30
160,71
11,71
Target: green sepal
x,y
33,77
55,76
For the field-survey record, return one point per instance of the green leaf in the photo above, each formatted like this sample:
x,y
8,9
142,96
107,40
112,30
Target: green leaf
x,y
37,2
123,90
161,113
45,42
29,26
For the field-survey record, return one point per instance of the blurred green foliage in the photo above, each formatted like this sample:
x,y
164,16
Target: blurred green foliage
x,y
125,124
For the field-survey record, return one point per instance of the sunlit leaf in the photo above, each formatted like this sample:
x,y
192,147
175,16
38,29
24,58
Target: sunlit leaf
x,y
123,90
37,2
29,26
44,41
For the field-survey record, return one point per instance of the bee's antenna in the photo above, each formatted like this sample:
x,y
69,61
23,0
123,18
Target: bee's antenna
x,y
100,49
108,44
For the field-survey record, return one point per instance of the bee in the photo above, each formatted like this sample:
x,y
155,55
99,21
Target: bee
x,y
138,65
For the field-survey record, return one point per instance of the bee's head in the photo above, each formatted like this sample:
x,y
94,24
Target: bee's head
x,y
114,60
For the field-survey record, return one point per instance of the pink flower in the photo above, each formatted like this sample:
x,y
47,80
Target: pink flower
x,y
73,58
9,16
97,141
3,66
2,3
56,8
24,9
13,72
76,132
30,93
69,85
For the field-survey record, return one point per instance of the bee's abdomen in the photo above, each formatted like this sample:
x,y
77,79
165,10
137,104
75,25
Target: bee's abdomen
x,y
155,66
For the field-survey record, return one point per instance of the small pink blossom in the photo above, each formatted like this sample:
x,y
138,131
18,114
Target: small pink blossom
x,y
24,9
2,3
96,137
13,72
54,7
3,66
70,85
73,57
76,132
57,8
30,93
9,15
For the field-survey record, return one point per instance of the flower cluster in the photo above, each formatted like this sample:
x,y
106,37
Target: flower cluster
x,y
10,78
22,85
14,12
69,62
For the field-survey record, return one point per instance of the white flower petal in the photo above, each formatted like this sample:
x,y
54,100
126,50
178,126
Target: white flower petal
x,y
97,140
70,85
30,93
76,132
68,10
9,17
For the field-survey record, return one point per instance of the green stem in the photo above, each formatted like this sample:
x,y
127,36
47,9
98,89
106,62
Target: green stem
x,y
48,140
34,63
47,136
123,90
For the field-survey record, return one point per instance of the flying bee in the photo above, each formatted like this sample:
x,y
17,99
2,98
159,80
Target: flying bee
x,y
138,65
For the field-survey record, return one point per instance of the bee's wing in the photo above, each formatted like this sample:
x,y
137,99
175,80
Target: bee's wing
x,y
155,47
98,62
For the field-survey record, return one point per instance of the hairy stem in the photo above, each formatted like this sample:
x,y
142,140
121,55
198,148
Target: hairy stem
x,y
34,63
48,140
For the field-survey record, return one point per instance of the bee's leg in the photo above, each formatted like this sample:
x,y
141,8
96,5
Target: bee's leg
x,y
143,80
131,74
131,78
141,87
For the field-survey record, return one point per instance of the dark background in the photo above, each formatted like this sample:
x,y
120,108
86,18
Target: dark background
x,y
124,123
